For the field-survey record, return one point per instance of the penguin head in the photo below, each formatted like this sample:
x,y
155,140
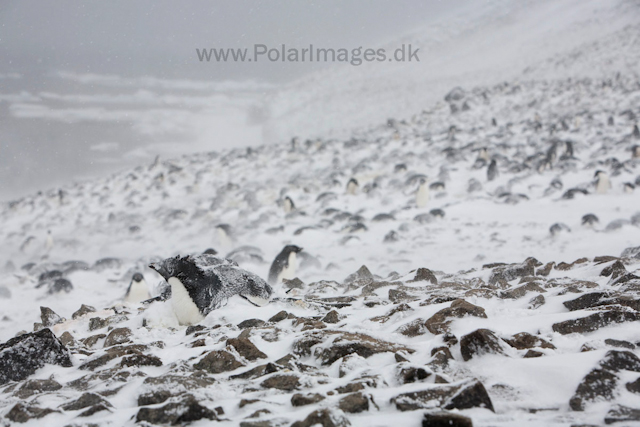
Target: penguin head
x,y
210,251
182,268
292,248
599,173
137,277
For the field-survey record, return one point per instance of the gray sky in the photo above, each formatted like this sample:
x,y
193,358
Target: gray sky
x,y
159,38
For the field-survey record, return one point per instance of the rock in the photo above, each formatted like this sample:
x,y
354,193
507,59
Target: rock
x,y
179,383
633,387
96,323
354,403
360,278
323,417
524,340
192,329
631,253
176,413
49,317
154,397
21,413
599,384
536,302
282,382
83,310
279,317
412,374
445,419
331,317
246,348
479,342
439,322
414,328
306,399
257,372
470,394
67,339
218,361
343,344
138,360
94,409
615,270
23,355
617,360
397,296
620,343
619,413
85,401
424,274
598,299
91,341
533,353
594,322
521,291
31,387
118,336
252,323
397,309
513,271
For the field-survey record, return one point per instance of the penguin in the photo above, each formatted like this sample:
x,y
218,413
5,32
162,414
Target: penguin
x,y
288,204
422,193
610,121
558,228
436,186
492,170
635,152
589,220
225,235
203,283
636,132
48,244
482,159
285,264
138,290
352,186
628,187
602,182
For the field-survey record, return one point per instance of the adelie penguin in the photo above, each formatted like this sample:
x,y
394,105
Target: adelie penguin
x,y
288,205
602,182
492,170
138,290
285,264
203,283
352,186
422,193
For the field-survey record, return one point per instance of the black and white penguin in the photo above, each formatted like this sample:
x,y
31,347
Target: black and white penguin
x,y
285,264
138,290
48,244
589,220
288,205
602,182
635,152
636,132
422,193
558,228
628,187
492,170
202,283
352,186
225,235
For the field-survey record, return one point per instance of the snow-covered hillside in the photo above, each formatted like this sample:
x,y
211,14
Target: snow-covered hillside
x,y
434,320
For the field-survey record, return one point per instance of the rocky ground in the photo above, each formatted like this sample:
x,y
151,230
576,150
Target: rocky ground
x,y
496,304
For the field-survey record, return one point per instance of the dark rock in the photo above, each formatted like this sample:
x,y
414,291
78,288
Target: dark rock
x,y
439,322
544,271
521,291
324,417
140,360
424,274
154,397
479,342
397,309
96,323
306,399
21,413
634,387
599,384
471,394
67,339
118,336
84,309
176,413
257,372
631,253
615,270
218,361
279,317
621,413
85,401
618,360
49,317
525,340
620,343
360,278
92,340
397,296
414,328
445,419
343,344
282,382
31,387
412,374
511,272
178,382
331,317
354,403
194,328
23,355
536,302
533,353
252,323
246,348
594,322
94,409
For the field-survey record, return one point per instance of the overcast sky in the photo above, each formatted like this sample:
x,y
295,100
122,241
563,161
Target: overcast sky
x,y
159,38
